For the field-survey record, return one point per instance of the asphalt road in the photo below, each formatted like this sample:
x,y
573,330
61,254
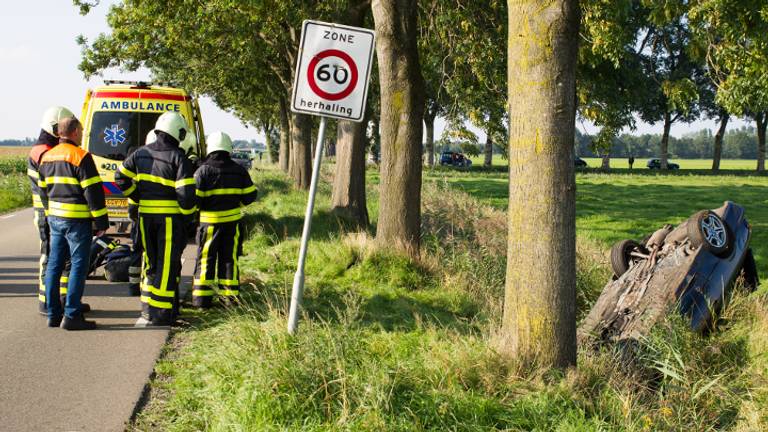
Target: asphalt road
x,y
54,380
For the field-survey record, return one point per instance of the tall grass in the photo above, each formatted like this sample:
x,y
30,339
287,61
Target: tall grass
x,y
387,343
14,184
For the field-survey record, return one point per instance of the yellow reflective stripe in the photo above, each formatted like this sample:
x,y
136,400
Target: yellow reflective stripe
x,y
219,219
235,265
167,255
225,191
159,210
41,297
159,203
143,249
203,282
204,255
129,190
98,213
144,299
67,206
188,211
36,201
229,282
185,182
227,292
32,173
159,292
155,179
130,201
159,304
69,213
91,181
41,183
62,180
202,293
126,172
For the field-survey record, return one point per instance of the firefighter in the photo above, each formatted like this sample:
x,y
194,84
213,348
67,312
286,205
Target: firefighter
x,y
159,179
188,147
48,138
223,187
137,252
73,198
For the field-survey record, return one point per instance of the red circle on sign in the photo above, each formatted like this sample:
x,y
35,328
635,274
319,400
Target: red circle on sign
x,y
352,69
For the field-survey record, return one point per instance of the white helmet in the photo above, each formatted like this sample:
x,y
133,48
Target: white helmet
x,y
219,141
51,118
173,124
189,144
151,137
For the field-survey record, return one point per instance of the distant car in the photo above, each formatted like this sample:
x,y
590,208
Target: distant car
x,y
580,163
455,159
242,159
655,163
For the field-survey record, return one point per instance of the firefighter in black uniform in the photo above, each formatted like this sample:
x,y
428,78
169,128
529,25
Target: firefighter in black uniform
x,y
223,187
159,179
137,252
48,138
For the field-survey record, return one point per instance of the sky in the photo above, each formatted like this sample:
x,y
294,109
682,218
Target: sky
x,y
38,68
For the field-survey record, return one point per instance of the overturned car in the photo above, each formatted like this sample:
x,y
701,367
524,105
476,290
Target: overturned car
x,y
693,266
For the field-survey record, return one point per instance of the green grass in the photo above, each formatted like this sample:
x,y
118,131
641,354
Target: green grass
x,y
14,184
387,343
623,163
612,207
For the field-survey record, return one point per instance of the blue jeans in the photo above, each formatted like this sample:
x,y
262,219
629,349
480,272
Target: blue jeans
x,y
73,239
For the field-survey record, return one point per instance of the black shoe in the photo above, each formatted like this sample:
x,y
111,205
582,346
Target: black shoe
x,y
54,322
134,290
42,309
77,323
85,308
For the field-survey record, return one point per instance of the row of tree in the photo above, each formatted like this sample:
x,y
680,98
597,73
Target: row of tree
x,y
738,143
664,61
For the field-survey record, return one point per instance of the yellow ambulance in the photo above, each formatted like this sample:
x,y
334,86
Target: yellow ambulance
x,y
116,120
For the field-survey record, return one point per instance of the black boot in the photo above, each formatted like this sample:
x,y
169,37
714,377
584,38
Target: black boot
x,y
134,290
77,323
85,308
54,322
42,309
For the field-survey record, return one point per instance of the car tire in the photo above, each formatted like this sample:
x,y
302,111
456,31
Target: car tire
x,y
708,230
620,256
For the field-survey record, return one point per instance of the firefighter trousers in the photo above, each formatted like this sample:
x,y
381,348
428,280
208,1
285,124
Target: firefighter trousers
x,y
44,232
135,267
218,248
163,240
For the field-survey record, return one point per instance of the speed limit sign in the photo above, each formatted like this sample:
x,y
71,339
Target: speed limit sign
x,y
333,70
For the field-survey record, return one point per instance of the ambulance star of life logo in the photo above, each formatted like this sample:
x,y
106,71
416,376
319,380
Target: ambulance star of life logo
x,y
114,135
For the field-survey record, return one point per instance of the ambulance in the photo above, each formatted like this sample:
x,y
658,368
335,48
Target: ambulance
x,y
116,120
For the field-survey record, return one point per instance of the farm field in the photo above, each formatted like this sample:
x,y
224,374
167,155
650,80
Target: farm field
x,y
14,184
622,163
612,207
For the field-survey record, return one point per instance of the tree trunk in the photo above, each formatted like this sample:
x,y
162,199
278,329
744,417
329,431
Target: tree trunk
x,y
272,145
301,153
402,113
761,121
539,323
348,196
605,165
285,137
718,151
429,124
488,161
664,156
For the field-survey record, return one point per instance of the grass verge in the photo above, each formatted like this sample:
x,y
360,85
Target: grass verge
x,y
14,184
387,343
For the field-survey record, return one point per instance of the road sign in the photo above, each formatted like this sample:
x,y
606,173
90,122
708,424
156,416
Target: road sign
x,y
333,70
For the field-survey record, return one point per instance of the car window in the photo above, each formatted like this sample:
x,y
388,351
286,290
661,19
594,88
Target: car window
x,y
115,134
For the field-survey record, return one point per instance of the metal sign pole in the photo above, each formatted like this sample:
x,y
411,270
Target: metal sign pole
x,y
298,280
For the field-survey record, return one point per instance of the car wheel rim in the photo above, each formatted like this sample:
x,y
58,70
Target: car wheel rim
x,y
714,231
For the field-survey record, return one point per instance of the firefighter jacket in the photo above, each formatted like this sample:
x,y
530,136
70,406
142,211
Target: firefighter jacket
x,y
159,178
70,185
44,143
223,187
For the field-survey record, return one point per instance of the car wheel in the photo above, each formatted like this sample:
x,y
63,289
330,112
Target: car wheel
x,y
621,256
749,272
708,230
